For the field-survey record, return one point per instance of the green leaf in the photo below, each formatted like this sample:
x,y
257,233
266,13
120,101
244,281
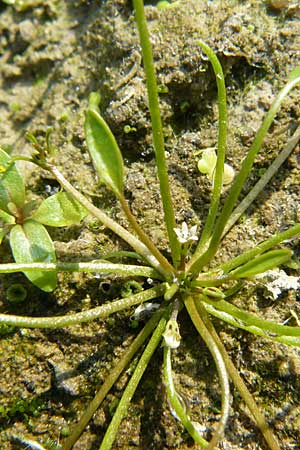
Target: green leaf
x,y
3,232
31,243
103,148
12,189
262,263
60,210
6,218
295,73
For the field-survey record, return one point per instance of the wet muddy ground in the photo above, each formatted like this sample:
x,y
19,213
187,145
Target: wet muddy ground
x,y
52,55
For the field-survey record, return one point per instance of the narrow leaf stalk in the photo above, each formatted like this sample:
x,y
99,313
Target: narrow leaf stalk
x,y
262,263
157,129
262,182
84,316
209,340
240,385
135,243
259,249
114,374
92,266
122,408
144,238
222,134
175,402
258,331
250,319
241,177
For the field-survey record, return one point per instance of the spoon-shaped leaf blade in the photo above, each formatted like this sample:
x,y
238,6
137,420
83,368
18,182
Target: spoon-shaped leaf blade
x,y
60,210
262,263
104,150
12,189
31,243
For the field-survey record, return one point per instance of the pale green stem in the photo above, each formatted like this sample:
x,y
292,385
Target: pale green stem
x,y
92,266
240,385
131,387
135,243
114,374
290,338
16,158
263,181
84,316
222,134
176,403
196,266
122,254
171,291
144,238
157,129
251,319
208,280
209,340
260,248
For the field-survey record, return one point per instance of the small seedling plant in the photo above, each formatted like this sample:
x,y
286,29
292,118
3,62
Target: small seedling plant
x,y
189,278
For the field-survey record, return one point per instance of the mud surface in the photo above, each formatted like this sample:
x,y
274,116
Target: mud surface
x,y
52,55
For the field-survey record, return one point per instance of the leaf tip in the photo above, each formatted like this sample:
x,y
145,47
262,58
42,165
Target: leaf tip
x,y
94,100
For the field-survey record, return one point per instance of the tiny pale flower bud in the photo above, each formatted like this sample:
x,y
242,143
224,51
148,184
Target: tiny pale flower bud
x,y
171,335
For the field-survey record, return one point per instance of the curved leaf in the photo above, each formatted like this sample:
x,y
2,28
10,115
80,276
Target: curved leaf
x,y
6,218
12,189
103,148
30,243
262,263
295,73
3,232
60,210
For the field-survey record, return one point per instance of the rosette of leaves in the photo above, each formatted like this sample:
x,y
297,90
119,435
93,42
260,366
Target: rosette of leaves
x,y
188,277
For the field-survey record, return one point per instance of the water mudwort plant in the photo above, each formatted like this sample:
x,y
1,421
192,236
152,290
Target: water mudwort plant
x,y
188,278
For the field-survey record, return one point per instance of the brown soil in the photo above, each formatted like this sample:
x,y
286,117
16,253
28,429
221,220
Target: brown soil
x,y
52,55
